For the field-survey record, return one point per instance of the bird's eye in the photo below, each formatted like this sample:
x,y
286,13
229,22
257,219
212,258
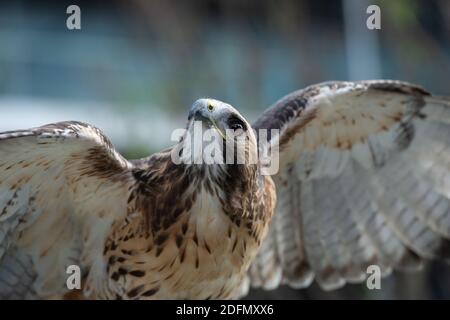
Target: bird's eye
x,y
236,124
210,107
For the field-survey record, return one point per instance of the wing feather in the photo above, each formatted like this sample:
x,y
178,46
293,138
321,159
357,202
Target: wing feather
x,y
61,187
364,179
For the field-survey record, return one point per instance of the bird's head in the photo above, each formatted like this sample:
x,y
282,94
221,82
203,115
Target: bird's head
x,y
223,132
218,115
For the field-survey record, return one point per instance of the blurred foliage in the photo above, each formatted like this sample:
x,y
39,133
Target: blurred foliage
x,y
136,152
403,13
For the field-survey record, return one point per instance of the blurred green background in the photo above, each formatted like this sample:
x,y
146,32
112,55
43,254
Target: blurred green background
x,y
136,66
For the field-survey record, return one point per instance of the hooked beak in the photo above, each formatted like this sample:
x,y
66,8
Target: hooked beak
x,y
198,116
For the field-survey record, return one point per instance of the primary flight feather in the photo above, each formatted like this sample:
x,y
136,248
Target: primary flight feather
x,y
364,179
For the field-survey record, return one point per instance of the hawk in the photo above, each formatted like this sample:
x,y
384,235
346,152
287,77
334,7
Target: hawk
x,y
364,179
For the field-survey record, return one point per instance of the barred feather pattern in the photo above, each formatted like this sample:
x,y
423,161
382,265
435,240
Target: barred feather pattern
x,y
53,180
365,181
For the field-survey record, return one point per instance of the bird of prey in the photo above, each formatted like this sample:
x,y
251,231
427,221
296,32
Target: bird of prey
x,y
363,179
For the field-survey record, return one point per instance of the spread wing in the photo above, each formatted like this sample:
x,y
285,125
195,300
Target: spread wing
x,y
364,180
61,187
